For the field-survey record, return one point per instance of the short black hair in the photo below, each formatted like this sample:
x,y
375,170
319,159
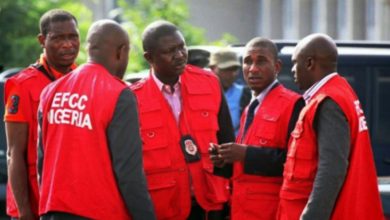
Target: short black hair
x,y
154,31
51,16
265,43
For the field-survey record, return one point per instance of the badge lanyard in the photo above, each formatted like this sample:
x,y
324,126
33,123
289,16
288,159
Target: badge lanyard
x,y
187,142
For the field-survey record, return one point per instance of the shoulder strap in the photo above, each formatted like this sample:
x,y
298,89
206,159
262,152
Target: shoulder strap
x,y
42,69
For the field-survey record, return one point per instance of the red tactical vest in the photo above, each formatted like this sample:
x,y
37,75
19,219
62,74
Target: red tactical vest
x,y
359,196
254,196
167,173
34,80
77,174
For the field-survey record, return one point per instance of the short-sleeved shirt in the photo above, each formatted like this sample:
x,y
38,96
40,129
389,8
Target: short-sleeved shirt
x,y
21,97
17,97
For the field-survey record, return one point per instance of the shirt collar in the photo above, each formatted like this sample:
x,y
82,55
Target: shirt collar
x,y
51,70
264,93
316,86
161,85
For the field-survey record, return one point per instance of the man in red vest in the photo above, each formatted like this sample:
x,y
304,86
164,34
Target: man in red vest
x,y
59,37
182,110
261,148
329,172
90,157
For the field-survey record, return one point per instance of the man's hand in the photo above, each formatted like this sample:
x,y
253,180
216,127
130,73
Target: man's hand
x,y
214,155
232,152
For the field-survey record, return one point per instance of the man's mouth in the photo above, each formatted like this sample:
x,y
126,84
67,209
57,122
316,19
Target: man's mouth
x,y
180,65
254,79
68,55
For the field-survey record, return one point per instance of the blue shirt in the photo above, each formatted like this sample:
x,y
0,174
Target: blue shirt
x,y
233,96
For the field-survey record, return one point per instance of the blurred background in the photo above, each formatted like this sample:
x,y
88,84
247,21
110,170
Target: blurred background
x,y
207,22
221,23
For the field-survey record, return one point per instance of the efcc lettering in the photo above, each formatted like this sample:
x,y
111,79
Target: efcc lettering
x,y
68,108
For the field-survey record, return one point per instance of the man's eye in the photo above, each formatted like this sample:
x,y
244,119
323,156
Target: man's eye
x,y
248,62
74,37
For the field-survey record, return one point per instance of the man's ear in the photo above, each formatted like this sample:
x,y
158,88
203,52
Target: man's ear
x,y
148,56
278,66
213,68
120,51
310,62
41,39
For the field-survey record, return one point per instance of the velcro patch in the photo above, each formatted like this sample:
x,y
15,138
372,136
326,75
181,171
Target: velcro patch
x,y
14,107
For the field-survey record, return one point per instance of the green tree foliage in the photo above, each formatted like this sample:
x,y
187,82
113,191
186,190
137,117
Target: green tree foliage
x,y
19,22
137,14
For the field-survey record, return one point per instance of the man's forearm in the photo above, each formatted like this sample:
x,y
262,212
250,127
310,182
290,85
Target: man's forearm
x,y
18,179
264,161
17,141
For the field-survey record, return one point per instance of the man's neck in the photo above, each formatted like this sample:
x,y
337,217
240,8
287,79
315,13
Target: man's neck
x,y
61,69
168,80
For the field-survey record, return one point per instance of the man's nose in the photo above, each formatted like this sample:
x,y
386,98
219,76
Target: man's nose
x,y
253,68
67,43
179,53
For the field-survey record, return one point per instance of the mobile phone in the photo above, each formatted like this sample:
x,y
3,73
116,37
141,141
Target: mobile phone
x,y
213,149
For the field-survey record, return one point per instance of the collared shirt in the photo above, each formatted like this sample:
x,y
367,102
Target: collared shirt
x,y
19,95
316,86
171,94
263,94
55,73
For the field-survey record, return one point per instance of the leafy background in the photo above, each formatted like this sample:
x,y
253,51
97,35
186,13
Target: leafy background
x,y
19,22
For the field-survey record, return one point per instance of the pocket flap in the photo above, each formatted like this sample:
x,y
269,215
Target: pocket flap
x,y
154,138
160,181
203,103
271,117
149,106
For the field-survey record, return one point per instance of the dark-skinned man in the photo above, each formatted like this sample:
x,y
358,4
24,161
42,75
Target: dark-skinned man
x,y
225,64
329,171
261,148
90,152
59,38
182,110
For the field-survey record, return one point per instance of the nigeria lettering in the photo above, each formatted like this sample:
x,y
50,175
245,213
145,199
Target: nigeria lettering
x,y
67,108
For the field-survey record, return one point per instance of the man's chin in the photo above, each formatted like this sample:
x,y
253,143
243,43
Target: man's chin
x,y
179,72
66,65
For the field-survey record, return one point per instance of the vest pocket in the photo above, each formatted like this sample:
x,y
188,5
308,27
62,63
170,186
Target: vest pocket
x,y
156,159
164,194
301,158
217,188
155,149
260,205
302,165
204,120
267,130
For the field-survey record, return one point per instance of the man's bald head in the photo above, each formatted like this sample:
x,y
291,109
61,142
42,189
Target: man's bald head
x,y
322,48
314,57
108,45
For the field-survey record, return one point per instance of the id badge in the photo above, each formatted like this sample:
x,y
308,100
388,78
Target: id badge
x,y
190,149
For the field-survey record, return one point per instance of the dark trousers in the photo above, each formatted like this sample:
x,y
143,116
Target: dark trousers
x,y
198,213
